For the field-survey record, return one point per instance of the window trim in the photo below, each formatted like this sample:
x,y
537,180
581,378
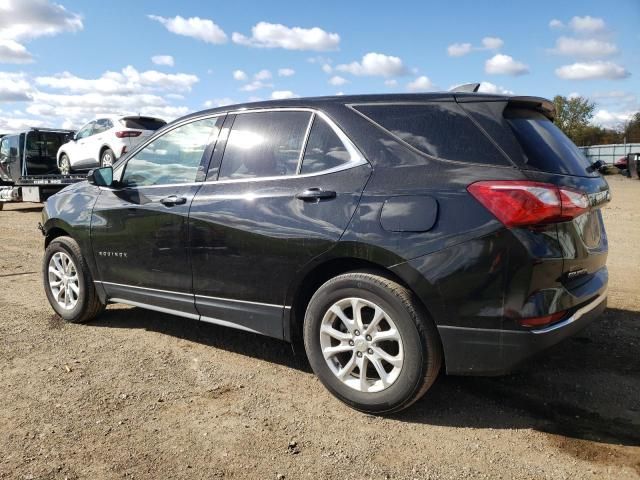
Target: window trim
x,y
356,157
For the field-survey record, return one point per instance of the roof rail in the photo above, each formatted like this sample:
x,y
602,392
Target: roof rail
x,y
466,87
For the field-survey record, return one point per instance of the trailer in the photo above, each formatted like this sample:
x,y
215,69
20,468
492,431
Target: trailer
x,y
29,167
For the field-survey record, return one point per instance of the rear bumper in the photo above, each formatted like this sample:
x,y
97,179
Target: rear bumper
x,y
480,351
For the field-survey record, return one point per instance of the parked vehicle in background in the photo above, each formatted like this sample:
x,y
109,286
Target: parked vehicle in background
x,y
621,163
28,168
102,141
394,234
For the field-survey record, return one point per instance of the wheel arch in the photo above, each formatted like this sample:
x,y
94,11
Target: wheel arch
x,y
308,284
55,228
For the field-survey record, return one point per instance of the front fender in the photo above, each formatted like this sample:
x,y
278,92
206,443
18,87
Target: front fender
x,y
69,213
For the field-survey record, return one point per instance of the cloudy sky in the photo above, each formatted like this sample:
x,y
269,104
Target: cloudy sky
x,y
62,63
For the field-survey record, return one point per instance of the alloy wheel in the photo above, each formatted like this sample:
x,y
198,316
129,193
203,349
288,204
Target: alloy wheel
x,y
64,283
361,345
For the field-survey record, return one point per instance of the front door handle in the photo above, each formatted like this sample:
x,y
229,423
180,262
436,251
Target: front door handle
x,y
315,195
173,200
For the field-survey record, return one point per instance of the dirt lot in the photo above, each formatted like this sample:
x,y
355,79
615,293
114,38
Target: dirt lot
x,y
138,394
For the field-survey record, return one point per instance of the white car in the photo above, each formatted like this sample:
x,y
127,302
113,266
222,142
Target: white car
x,y
102,141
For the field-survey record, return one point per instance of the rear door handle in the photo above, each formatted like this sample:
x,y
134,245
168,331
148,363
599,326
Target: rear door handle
x,y
173,200
315,195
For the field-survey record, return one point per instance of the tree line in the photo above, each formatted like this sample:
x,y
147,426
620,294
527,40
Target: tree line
x,y
573,117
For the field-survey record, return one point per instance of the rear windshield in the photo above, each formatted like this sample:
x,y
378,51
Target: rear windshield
x,y
545,147
143,123
441,130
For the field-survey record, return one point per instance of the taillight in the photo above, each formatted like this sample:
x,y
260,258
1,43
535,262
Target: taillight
x,y
542,321
521,203
128,133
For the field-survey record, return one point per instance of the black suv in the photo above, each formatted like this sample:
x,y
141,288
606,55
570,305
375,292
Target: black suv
x,y
394,234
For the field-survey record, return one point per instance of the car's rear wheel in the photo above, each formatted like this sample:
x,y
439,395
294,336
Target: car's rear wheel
x,y
65,165
107,158
371,343
68,283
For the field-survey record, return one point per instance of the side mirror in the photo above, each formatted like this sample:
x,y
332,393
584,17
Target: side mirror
x,y
101,177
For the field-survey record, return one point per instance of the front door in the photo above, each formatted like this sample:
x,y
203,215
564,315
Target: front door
x,y
275,206
139,227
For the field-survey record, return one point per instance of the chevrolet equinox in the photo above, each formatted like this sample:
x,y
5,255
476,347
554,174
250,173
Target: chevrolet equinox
x,y
395,235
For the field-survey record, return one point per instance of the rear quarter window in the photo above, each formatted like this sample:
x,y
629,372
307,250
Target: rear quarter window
x,y
441,130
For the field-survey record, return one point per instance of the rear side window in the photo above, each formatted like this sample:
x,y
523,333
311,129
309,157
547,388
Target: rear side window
x,y
324,149
545,147
143,123
264,144
440,130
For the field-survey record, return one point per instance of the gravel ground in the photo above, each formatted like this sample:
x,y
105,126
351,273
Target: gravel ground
x,y
137,394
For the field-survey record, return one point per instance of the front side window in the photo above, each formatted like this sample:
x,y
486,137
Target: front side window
x,y
85,131
324,149
174,157
264,144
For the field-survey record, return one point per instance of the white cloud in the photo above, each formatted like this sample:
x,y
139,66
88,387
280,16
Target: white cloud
x,y
195,27
263,75
573,95
587,24
555,23
492,43
392,82
13,52
275,35
282,94
129,80
459,49
286,72
219,102
240,75
337,80
488,87
326,68
255,85
505,65
166,60
420,84
14,87
592,70
70,100
606,118
584,47
23,20
375,64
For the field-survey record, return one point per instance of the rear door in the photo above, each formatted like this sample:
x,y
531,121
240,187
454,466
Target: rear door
x,y
280,191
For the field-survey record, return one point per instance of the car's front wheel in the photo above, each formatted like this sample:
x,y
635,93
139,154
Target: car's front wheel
x,y
371,343
68,283
65,165
107,158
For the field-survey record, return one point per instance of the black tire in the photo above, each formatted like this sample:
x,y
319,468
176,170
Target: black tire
x,y
65,159
1,205
88,304
420,339
107,153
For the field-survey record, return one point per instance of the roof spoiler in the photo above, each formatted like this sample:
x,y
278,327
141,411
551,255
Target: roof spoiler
x,y
538,104
466,88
